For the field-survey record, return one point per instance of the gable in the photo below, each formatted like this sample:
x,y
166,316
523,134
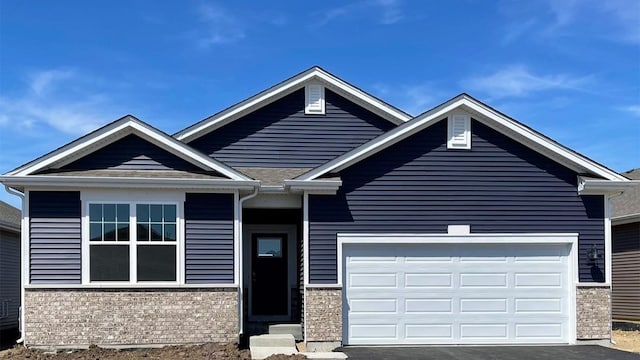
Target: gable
x,y
281,135
131,153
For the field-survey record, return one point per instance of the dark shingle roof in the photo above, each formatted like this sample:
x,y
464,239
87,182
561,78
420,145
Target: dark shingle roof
x,y
629,202
272,176
9,217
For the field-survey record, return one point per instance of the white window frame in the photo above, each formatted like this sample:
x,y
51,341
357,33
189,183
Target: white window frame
x,y
132,198
452,142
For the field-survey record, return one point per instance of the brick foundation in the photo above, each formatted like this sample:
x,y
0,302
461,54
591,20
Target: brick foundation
x,y
323,314
80,317
593,312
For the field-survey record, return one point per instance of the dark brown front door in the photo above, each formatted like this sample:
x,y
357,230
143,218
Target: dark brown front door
x,y
269,275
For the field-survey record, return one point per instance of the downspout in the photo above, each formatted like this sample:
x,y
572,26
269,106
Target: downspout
x,y
240,259
23,245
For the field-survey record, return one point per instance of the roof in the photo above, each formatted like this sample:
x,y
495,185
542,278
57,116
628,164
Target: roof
x,y
10,217
272,176
312,75
117,130
628,203
483,113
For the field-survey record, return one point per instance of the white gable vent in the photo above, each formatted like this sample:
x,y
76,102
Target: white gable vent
x,y
314,99
459,134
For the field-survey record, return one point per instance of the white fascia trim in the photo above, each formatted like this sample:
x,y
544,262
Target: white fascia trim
x,y
531,238
608,243
488,116
604,187
119,129
130,182
266,97
329,187
625,219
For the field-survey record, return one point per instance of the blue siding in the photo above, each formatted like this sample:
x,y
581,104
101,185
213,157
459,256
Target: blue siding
x,y
419,186
281,135
9,279
55,237
209,238
131,153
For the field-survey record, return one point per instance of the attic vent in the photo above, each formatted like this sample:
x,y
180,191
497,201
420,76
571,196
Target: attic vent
x,y
459,136
314,99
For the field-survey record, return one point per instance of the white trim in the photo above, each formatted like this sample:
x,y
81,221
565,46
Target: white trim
x,y
145,285
452,142
607,239
484,114
598,285
26,235
132,198
308,101
127,182
268,96
305,259
117,130
237,241
604,187
328,187
570,239
625,219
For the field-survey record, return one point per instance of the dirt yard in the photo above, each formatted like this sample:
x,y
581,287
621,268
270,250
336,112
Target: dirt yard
x,y
627,340
207,351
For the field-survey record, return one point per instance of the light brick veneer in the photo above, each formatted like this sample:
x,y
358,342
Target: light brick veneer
x,y
593,312
323,314
80,317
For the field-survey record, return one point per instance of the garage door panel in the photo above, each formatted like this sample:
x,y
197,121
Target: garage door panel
x,y
462,294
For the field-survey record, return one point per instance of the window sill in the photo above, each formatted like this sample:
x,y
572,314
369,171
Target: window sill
x,y
128,286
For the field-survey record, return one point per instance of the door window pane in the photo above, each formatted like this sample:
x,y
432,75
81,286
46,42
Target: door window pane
x,y
269,247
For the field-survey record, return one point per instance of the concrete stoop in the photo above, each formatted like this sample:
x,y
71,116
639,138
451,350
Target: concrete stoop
x,y
263,346
293,329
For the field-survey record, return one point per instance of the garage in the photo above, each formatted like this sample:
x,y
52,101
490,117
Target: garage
x,y
457,290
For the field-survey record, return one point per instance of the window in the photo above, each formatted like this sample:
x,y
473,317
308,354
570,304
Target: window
x,y
119,251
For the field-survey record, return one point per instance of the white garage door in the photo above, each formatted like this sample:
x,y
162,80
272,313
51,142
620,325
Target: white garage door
x,y
456,294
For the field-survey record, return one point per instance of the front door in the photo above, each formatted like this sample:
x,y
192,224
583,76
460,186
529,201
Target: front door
x,y
269,274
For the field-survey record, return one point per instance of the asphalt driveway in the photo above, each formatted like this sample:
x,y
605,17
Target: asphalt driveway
x,y
576,352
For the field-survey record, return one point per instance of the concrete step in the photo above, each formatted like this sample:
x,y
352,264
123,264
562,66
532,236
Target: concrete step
x,y
325,355
263,346
293,329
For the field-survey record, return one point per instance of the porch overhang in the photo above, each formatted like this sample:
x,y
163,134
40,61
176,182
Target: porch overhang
x,y
321,186
593,186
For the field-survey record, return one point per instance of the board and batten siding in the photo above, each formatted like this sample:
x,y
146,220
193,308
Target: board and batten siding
x,y
55,237
281,135
625,292
420,186
131,153
9,279
209,252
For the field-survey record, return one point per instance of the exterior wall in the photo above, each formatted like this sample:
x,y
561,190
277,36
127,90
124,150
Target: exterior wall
x,y
625,277
593,313
323,310
80,317
420,186
9,279
131,153
55,237
209,253
281,135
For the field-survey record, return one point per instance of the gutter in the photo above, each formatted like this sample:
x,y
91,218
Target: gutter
x,y
23,247
589,186
240,259
133,182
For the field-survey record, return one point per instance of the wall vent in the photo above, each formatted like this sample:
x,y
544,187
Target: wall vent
x,y
459,134
314,99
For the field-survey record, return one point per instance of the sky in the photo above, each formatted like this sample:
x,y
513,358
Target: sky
x,y
567,68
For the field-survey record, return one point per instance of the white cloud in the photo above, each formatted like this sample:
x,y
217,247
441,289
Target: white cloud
x,y
385,12
59,99
220,26
517,80
413,99
632,109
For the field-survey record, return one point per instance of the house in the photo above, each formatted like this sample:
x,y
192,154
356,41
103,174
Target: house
x,y
9,268
625,232
316,203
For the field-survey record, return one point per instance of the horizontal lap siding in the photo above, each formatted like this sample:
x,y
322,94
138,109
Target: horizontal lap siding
x,y
625,295
281,135
419,186
209,239
9,279
55,237
131,153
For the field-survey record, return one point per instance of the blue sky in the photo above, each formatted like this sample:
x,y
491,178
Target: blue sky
x,y
567,68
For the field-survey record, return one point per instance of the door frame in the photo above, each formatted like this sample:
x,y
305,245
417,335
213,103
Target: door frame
x,y
292,270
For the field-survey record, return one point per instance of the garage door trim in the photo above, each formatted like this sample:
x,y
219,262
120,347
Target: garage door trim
x,y
570,239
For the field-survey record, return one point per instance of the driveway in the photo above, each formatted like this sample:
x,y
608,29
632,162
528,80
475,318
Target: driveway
x,y
576,352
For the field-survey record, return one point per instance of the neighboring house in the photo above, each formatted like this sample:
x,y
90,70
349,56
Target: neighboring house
x,y
314,202
625,229
9,267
